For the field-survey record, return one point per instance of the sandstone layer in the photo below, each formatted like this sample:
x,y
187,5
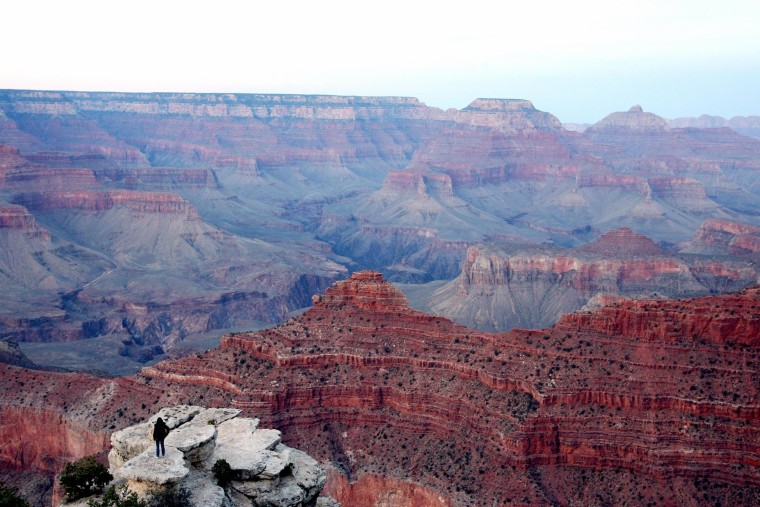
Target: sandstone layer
x,y
532,287
186,215
643,402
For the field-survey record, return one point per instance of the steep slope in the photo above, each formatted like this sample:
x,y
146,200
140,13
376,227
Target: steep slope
x,y
640,402
726,237
34,270
166,275
532,287
284,187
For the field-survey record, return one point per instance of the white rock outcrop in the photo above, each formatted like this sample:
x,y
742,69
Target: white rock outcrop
x,y
195,440
131,441
145,472
265,472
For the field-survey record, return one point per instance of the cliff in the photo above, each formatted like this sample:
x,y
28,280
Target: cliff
x,y
392,373
726,237
183,214
264,471
383,393
746,125
136,202
505,287
677,321
18,217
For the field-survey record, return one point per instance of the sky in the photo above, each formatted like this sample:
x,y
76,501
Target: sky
x,y
579,60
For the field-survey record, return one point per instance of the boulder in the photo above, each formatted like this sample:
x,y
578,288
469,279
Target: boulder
x,y
283,492
235,428
275,464
204,491
326,501
175,416
217,415
267,473
128,443
146,472
307,473
195,440
243,446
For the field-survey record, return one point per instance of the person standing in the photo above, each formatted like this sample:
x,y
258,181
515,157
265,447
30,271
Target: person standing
x,y
160,430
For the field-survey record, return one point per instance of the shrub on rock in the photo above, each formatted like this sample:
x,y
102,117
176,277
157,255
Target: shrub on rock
x,y
84,478
112,498
223,472
9,497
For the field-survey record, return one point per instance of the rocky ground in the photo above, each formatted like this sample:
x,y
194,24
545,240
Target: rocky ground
x,y
265,472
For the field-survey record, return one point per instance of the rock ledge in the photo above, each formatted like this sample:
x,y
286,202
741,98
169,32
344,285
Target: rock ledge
x,y
266,473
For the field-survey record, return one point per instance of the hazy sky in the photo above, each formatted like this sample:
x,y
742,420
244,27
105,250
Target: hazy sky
x,y
579,60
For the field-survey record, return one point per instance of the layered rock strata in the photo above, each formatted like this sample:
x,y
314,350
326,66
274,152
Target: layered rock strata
x,y
747,125
417,410
214,185
726,237
537,405
532,287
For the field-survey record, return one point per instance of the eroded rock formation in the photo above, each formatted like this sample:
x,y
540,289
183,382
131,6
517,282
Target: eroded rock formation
x,y
265,472
246,205
532,287
633,402
726,237
747,125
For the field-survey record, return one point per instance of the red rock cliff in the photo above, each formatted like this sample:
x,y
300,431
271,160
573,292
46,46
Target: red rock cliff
x,y
726,236
390,395
137,202
381,389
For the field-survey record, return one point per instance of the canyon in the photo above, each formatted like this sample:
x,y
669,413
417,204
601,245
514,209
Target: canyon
x,y
139,226
502,286
640,402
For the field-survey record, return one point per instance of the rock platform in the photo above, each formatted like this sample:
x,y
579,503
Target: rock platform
x,y
265,472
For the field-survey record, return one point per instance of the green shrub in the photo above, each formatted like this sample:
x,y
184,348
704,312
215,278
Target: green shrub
x,y
171,497
9,497
84,478
223,472
112,498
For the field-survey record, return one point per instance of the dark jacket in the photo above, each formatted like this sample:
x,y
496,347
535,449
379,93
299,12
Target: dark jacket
x,y
160,430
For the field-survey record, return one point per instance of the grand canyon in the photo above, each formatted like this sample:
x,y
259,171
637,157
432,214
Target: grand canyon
x,y
641,402
466,307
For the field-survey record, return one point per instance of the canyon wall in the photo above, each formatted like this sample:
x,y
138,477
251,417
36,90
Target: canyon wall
x,y
182,214
638,402
530,287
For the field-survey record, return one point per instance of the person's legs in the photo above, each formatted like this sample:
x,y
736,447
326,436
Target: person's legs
x,y
163,450
157,455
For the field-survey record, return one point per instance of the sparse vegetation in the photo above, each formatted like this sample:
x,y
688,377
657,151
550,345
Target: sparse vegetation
x,y
83,478
223,472
121,498
9,497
